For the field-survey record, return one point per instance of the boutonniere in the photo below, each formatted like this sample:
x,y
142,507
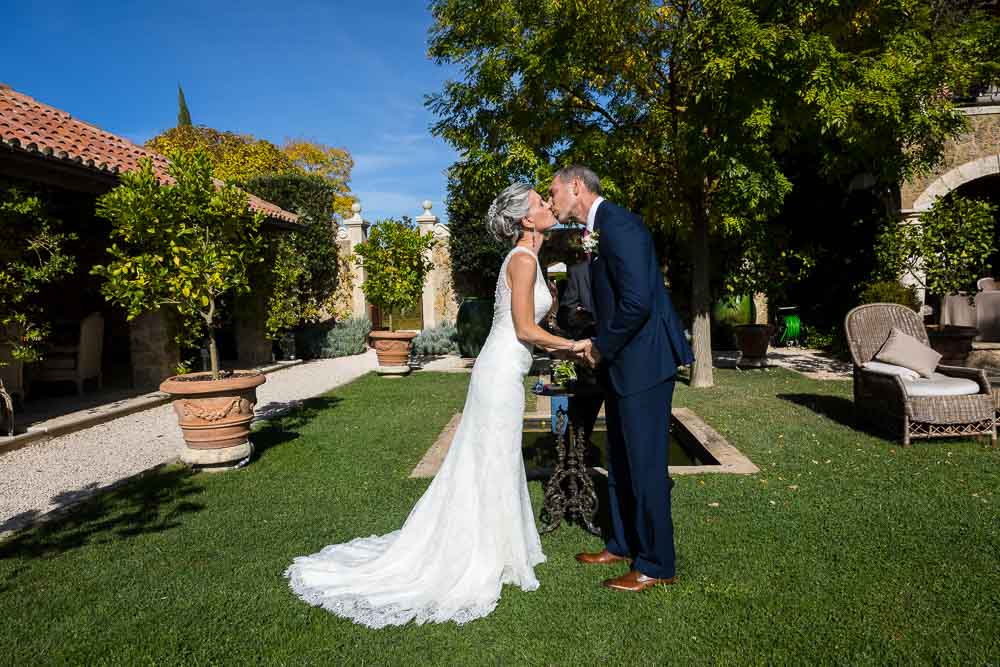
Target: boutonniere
x,y
590,243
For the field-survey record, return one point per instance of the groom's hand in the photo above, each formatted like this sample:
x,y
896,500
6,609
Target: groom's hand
x,y
590,354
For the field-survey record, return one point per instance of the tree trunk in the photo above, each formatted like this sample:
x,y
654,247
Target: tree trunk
x,y
213,350
213,353
701,327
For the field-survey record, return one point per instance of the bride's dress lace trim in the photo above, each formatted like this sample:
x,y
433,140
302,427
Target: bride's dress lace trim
x,y
362,611
471,532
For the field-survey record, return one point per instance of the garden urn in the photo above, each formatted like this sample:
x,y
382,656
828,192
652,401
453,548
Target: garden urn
x,y
753,340
215,416
393,351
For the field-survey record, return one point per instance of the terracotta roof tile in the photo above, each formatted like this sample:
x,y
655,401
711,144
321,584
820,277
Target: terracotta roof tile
x,y
29,126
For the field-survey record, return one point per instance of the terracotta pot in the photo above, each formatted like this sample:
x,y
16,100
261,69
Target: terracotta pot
x,y
953,343
753,340
393,350
215,416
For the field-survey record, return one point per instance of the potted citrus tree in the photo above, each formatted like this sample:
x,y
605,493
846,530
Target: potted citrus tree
x,y
182,245
395,259
945,253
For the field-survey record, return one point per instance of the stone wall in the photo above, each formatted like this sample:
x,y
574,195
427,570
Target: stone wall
x,y
154,353
445,299
972,155
253,348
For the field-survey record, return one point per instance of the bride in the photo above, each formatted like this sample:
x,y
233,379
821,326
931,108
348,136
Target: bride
x,y
473,530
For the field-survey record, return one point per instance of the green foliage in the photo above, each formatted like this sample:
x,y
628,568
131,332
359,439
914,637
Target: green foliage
x,y
183,115
305,267
326,341
180,245
331,164
694,106
436,341
563,371
472,184
395,262
32,255
234,157
766,261
946,251
890,291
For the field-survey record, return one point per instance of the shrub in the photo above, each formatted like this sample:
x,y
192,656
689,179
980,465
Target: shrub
x,y
326,341
947,252
439,340
183,244
890,291
395,261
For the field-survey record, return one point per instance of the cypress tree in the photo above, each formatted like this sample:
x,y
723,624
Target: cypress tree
x,y
183,115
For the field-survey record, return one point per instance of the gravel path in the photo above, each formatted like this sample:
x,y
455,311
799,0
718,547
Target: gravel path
x,y
59,472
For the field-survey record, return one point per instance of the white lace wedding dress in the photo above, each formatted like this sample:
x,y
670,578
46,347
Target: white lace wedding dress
x,y
472,531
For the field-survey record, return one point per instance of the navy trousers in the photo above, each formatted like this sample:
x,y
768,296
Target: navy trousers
x,y
638,484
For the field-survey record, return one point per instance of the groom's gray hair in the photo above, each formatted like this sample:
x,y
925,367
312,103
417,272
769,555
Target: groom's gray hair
x,y
585,174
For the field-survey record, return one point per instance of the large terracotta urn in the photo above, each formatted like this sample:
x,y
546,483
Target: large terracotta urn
x,y
753,340
953,343
215,416
393,351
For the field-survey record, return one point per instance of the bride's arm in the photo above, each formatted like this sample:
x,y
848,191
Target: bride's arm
x,y
521,274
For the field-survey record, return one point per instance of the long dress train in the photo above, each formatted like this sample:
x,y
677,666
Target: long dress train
x,y
472,531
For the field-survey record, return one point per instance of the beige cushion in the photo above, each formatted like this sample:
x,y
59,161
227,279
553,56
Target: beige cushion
x,y
902,349
883,368
941,385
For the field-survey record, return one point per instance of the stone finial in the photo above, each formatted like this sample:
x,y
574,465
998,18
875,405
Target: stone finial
x,y
427,206
356,207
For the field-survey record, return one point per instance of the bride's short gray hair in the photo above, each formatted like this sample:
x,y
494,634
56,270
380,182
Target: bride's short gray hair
x,y
505,214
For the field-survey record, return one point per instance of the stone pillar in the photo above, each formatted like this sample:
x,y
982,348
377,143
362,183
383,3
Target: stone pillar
x,y
252,345
912,217
426,223
153,350
760,307
357,232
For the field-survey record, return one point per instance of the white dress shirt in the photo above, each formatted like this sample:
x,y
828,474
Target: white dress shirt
x,y
592,213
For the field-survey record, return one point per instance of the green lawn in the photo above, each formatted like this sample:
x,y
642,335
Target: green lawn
x,y
846,549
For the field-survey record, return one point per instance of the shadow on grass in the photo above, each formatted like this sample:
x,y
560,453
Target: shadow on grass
x,y
836,408
280,422
152,503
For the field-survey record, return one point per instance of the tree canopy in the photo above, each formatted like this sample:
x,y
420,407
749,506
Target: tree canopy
x,y
690,109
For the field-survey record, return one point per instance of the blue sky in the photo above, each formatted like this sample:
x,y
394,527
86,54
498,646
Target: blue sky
x,y
346,73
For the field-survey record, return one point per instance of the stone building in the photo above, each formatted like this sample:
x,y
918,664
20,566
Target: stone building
x,y
970,165
70,163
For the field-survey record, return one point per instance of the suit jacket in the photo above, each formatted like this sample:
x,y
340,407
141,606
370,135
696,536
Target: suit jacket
x,y
639,335
577,296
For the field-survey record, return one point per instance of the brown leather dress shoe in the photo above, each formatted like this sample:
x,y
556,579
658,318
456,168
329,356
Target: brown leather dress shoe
x,y
603,557
635,581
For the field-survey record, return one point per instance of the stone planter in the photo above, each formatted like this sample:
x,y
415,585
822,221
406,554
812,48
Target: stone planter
x,y
393,351
953,343
215,417
753,340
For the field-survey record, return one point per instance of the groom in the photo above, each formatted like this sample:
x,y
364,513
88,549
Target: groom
x,y
638,347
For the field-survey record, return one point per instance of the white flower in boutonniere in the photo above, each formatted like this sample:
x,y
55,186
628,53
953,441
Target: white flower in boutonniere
x,y
590,243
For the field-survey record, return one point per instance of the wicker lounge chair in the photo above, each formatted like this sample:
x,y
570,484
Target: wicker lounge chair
x,y
885,401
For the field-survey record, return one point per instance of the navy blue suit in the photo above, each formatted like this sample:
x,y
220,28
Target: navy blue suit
x,y
642,343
